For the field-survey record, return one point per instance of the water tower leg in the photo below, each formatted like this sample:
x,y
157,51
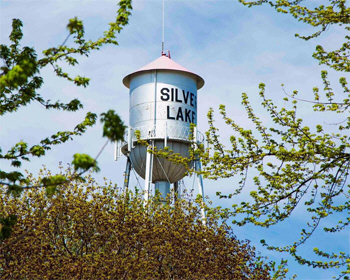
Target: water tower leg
x,y
177,193
198,167
127,174
149,170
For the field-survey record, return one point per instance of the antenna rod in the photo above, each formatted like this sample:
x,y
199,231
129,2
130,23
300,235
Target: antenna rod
x,y
163,31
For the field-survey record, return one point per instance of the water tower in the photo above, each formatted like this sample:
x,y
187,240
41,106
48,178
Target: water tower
x,y
163,104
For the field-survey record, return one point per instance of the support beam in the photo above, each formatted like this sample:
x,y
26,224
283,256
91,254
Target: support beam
x,y
129,139
198,167
177,190
149,170
127,174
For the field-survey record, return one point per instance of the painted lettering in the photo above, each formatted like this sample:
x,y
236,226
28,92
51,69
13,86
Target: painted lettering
x,y
172,94
185,96
168,113
180,115
177,96
165,94
192,99
187,115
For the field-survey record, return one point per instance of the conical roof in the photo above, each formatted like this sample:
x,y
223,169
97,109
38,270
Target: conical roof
x,y
164,63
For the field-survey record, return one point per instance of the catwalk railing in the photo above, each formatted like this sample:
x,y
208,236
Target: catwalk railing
x,y
169,132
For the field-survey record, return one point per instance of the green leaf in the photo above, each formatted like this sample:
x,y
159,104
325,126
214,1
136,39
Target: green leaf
x,y
7,224
113,126
83,162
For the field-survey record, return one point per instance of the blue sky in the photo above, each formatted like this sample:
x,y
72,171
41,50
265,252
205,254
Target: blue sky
x,y
232,47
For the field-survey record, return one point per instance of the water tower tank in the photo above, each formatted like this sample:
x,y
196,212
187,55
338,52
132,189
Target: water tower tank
x,y
163,104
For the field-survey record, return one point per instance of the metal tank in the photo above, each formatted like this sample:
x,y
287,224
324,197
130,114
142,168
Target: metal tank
x,y
163,104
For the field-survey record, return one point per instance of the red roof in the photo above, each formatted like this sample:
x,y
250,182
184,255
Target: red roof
x,y
163,63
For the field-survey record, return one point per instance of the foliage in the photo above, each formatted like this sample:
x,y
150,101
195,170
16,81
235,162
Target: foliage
x,y
323,16
114,128
20,81
296,166
293,165
86,230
